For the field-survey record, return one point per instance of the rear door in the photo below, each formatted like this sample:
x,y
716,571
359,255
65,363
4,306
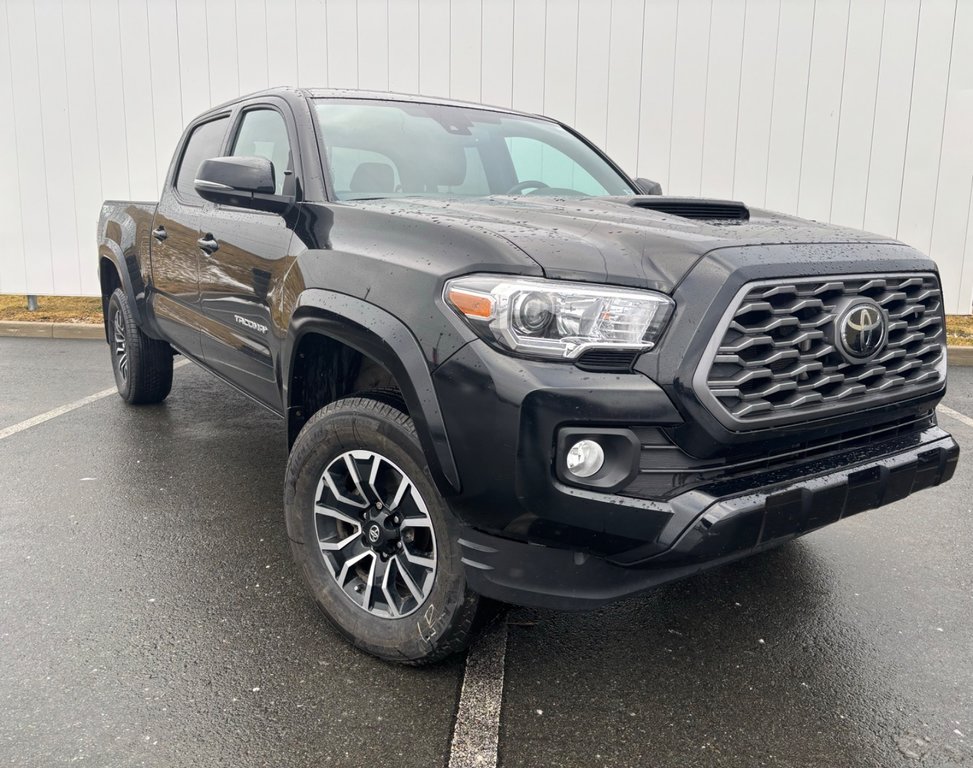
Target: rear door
x,y
242,266
175,235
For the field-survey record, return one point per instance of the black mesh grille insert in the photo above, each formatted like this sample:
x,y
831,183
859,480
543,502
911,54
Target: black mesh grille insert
x,y
606,360
778,357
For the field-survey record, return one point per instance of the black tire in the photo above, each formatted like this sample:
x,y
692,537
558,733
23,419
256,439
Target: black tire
x,y
440,624
142,366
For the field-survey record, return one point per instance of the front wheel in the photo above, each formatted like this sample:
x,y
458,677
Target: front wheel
x,y
142,365
372,535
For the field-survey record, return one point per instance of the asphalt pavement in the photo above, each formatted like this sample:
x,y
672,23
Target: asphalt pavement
x,y
150,615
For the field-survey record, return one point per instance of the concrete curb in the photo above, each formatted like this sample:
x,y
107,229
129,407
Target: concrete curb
x,y
960,355
29,329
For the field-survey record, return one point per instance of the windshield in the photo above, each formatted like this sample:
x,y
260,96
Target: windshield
x,y
381,149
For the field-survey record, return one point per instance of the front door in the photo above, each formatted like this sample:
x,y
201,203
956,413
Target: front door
x,y
243,261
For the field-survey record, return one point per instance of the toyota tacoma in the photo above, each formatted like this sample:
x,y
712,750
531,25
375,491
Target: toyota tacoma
x,y
508,370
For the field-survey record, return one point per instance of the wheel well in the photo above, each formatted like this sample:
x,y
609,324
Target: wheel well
x,y
110,280
325,370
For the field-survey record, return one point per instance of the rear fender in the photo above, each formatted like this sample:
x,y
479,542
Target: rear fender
x,y
110,251
118,242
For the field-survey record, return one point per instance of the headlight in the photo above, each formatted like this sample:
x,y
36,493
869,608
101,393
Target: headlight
x,y
552,318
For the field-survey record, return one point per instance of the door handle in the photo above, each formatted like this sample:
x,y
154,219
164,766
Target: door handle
x,y
159,233
208,243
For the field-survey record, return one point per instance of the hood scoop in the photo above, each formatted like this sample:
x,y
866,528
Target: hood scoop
x,y
694,207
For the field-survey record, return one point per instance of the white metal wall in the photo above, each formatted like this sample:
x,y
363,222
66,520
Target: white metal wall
x,y
853,111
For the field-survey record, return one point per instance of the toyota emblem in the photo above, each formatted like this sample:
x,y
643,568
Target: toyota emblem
x,y
861,331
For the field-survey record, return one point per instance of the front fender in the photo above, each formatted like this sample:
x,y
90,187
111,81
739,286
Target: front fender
x,y
386,339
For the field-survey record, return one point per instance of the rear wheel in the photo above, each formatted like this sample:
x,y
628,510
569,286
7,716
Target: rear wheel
x,y
142,365
373,537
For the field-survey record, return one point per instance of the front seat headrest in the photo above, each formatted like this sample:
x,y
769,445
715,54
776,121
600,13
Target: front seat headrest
x,y
373,177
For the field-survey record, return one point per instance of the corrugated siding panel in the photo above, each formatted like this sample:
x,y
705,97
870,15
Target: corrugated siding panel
x,y
863,51
789,104
13,270
373,45
827,69
55,133
251,46
560,60
723,97
754,117
688,116
853,111
891,125
925,140
434,47
85,154
464,49
952,244
36,255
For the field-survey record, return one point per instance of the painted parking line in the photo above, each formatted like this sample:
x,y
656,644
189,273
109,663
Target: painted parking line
x,y
477,729
962,417
63,409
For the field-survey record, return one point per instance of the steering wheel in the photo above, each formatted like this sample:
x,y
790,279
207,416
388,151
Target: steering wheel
x,y
528,184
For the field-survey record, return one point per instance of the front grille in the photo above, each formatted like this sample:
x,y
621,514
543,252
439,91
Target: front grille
x,y
776,357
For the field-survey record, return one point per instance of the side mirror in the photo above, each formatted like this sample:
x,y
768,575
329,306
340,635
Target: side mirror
x,y
648,187
244,182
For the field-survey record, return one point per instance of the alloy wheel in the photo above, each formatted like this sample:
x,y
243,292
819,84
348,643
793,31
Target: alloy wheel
x,y
375,534
118,344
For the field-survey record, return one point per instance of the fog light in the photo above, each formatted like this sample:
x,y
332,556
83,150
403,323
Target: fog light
x,y
585,458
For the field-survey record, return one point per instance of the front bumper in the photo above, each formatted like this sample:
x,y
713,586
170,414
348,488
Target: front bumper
x,y
504,416
710,525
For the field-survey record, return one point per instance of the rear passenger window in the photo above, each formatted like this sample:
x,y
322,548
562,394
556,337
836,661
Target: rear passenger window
x,y
204,143
263,133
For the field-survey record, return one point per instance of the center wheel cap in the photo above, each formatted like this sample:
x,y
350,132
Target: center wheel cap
x,y
380,531
374,533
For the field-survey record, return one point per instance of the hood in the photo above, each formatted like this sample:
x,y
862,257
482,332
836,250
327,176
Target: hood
x,y
608,240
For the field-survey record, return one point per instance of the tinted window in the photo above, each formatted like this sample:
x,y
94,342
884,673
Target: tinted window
x,y
349,170
359,173
535,160
204,142
263,133
393,149
475,181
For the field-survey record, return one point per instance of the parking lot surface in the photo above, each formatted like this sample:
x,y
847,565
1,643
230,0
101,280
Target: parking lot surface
x,y
150,616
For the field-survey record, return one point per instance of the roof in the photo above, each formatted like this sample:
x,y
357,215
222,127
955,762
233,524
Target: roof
x,y
354,93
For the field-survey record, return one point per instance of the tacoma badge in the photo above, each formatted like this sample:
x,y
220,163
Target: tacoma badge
x,y
247,323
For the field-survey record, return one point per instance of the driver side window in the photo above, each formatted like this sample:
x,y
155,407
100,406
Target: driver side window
x,y
263,133
537,161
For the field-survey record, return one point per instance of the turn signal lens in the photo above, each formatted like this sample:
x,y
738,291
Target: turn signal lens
x,y
470,303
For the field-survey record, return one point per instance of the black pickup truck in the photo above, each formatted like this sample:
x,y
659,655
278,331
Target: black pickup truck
x,y
508,370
